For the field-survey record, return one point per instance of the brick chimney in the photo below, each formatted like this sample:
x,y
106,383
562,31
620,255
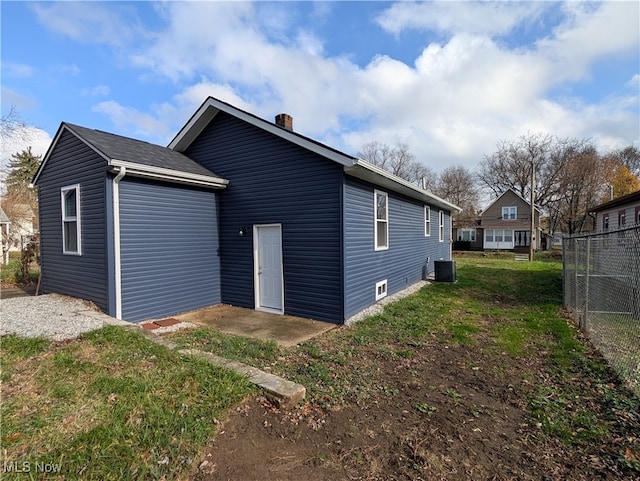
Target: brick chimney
x,y
285,121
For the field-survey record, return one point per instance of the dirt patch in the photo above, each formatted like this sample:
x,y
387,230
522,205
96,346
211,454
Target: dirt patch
x,y
451,412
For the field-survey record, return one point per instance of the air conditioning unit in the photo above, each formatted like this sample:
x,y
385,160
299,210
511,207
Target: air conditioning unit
x,y
445,271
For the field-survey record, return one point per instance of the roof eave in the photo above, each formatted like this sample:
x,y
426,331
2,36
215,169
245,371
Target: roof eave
x,y
617,202
168,175
366,171
211,107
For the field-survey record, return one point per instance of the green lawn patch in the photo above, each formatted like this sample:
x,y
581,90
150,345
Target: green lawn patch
x,y
108,405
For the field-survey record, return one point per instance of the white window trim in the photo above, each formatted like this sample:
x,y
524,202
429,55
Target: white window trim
x,y
376,220
381,289
472,232
507,208
427,221
441,225
76,219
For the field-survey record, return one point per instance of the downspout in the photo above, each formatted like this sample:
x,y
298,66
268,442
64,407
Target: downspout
x,y
116,240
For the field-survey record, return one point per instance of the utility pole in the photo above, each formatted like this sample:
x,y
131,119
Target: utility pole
x,y
532,236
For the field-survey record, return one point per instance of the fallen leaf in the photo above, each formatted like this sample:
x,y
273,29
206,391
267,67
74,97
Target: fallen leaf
x,y
631,455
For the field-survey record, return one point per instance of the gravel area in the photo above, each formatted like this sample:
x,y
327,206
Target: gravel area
x,y
60,317
53,316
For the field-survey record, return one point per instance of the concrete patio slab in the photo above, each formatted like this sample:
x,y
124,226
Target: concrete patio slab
x,y
285,330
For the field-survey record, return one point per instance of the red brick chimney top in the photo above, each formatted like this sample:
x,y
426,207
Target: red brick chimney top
x,y
285,121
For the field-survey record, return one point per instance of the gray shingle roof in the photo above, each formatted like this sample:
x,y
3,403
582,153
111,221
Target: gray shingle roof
x,y
117,147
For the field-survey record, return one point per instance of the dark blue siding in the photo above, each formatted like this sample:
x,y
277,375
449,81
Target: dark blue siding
x,y
169,249
85,276
402,264
273,181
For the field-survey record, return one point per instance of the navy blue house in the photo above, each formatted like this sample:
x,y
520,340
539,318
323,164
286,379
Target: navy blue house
x,y
236,210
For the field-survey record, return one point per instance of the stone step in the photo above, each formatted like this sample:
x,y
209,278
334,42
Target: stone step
x,y
281,392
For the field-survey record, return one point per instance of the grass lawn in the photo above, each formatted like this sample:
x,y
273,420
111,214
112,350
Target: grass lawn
x,y
111,405
510,313
108,405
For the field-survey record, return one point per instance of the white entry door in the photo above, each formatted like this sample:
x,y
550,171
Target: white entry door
x,y
267,257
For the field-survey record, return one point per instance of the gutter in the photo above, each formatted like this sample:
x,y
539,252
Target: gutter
x,y
371,173
158,173
116,240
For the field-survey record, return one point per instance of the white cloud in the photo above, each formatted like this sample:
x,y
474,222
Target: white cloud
x,y
589,35
127,119
70,69
475,18
20,70
20,140
451,105
456,101
11,97
113,24
634,82
97,91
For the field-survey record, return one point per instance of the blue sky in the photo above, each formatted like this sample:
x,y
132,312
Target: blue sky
x,y
449,79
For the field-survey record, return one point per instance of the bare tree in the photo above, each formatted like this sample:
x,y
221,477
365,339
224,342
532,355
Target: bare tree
x,y
578,188
509,167
570,176
629,157
11,125
397,160
457,185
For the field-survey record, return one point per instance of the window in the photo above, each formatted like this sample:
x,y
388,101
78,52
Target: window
x,y
638,215
427,221
504,238
468,235
381,221
509,213
441,225
522,238
381,289
71,230
605,222
622,218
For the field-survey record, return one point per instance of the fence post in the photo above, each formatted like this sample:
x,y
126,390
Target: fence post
x,y
586,283
576,253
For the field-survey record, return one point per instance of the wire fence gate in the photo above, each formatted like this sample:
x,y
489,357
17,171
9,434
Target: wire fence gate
x,y
601,288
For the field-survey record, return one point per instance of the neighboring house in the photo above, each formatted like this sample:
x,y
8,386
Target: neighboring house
x,y
617,213
237,210
557,239
507,224
4,232
23,226
473,234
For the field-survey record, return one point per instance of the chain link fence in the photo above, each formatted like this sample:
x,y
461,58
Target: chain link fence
x,y
601,279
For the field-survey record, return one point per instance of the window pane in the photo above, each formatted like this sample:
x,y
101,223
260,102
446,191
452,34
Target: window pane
x,y
71,236
381,209
381,240
70,203
508,236
498,236
427,221
489,236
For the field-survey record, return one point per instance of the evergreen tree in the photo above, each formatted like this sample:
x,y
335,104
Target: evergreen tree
x,y
22,168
